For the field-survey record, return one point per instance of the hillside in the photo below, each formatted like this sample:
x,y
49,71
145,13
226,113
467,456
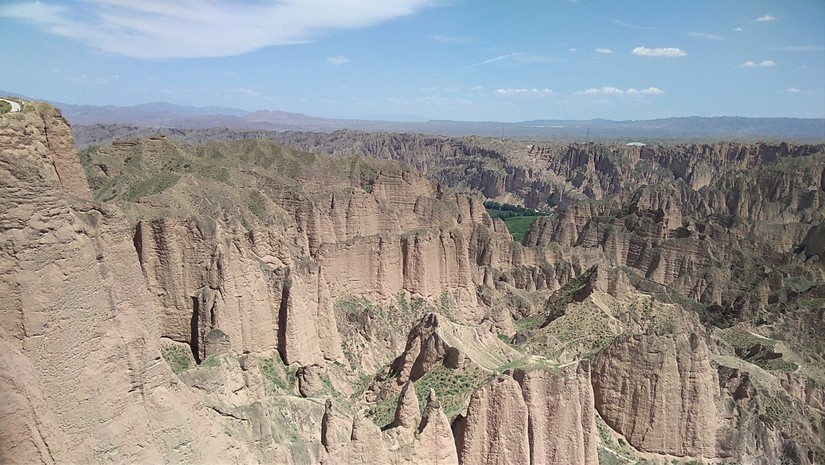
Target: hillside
x,y
177,297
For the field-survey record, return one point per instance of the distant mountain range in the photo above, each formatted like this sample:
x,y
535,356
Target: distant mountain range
x,y
694,128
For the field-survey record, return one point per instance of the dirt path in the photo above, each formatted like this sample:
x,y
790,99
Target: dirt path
x,y
14,105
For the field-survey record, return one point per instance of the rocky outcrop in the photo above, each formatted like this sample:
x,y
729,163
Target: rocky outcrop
x,y
435,443
661,393
29,432
408,412
531,416
561,417
436,341
495,428
84,333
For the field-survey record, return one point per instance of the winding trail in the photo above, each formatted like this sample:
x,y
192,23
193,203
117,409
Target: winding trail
x,y
15,106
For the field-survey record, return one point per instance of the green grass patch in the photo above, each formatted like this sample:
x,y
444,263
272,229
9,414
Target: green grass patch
x,y
5,107
518,219
518,225
452,387
382,413
151,186
256,203
529,323
210,362
277,374
177,358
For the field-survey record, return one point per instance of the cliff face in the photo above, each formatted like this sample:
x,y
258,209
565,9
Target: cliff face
x,y
533,416
669,386
347,309
76,322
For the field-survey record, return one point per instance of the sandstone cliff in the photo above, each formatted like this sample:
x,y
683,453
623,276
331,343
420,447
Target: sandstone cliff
x,y
249,302
79,332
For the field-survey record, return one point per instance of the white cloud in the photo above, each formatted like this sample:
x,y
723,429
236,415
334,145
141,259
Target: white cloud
x,y
534,92
338,60
763,19
572,50
794,90
156,29
525,92
761,64
703,35
738,29
604,50
658,52
247,92
609,90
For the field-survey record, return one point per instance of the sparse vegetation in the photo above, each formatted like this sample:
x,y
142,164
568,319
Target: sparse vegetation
x,y
277,374
256,203
177,358
5,107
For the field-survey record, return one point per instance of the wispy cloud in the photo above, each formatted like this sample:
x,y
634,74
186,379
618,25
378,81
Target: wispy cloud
x,y
453,39
794,90
609,90
532,92
658,52
764,19
703,35
761,64
605,51
247,92
493,60
633,26
737,29
520,57
157,29
338,60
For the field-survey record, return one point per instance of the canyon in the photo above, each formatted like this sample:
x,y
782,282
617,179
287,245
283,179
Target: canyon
x,y
291,297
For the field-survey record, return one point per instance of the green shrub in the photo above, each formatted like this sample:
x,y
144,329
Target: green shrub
x,y
271,369
177,358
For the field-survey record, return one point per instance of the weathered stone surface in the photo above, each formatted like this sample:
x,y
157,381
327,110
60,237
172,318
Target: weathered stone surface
x,y
495,429
73,310
309,381
434,443
407,413
561,417
660,392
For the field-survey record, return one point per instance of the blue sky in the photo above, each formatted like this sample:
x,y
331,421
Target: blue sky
x,y
440,59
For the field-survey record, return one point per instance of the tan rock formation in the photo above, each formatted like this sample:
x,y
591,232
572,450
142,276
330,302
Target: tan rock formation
x,y
495,429
336,432
367,445
660,392
408,412
73,309
437,341
434,443
29,432
561,416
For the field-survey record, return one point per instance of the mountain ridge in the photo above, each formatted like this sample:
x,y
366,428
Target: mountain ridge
x,y
738,128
